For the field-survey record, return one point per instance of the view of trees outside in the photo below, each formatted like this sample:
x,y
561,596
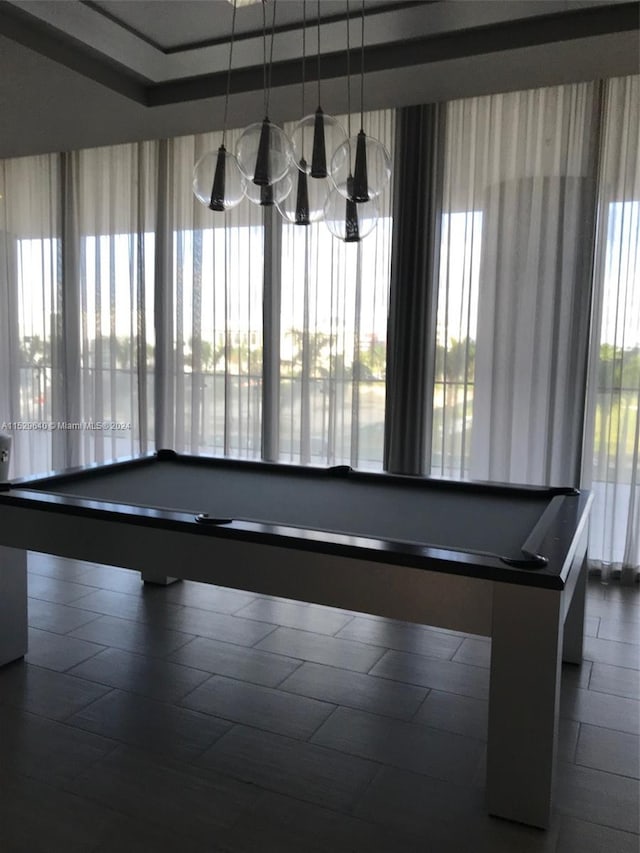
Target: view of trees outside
x,y
334,306
222,365
455,344
618,368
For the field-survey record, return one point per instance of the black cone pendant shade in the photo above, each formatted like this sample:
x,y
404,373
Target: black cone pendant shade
x,y
360,182
352,229
261,175
319,154
219,181
302,198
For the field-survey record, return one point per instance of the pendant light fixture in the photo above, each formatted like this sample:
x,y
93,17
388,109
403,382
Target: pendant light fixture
x,y
217,180
306,204
319,133
361,166
346,218
264,151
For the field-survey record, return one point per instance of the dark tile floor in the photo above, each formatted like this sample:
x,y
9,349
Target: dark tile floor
x,y
194,718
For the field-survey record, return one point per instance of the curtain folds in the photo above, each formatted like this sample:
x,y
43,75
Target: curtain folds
x,y
30,296
514,290
414,278
538,327
611,465
131,317
333,309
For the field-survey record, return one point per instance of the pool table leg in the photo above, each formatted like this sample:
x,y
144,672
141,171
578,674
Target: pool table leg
x,y
157,577
574,620
13,604
524,699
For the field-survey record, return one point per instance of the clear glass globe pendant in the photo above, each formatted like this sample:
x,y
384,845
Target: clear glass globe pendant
x,y
217,180
316,133
269,194
306,204
348,221
264,153
368,161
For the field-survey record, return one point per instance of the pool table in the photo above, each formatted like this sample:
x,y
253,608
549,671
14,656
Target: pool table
x,y
502,561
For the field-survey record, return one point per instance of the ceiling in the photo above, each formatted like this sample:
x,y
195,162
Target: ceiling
x,y
76,73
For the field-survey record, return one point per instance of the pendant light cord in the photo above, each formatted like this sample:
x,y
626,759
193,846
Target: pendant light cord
x,y
348,77
226,96
273,30
264,55
304,51
318,21
362,74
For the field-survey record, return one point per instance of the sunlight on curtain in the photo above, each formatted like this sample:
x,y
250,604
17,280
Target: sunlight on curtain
x,y
333,336
214,275
513,300
109,240
30,281
612,465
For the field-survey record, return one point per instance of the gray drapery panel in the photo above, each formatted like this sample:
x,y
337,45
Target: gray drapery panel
x,y
533,331
414,287
163,306
65,336
271,335
9,327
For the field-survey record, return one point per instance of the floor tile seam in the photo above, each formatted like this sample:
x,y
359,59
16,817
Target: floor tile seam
x,y
320,805
316,634
130,814
77,639
225,612
444,661
635,703
375,767
180,703
84,660
570,765
610,772
568,813
608,663
635,698
95,680
393,765
431,687
65,603
599,725
298,661
342,628
148,752
383,714
634,643
279,685
146,621
309,660
146,656
168,703
419,727
67,719
114,746
94,617
404,650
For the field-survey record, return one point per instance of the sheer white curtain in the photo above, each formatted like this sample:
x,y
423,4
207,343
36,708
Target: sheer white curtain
x,y
611,463
514,292
107,312
210,289
334,302
30,298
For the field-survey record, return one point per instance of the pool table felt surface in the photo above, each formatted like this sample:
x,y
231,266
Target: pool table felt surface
x,y
405,510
